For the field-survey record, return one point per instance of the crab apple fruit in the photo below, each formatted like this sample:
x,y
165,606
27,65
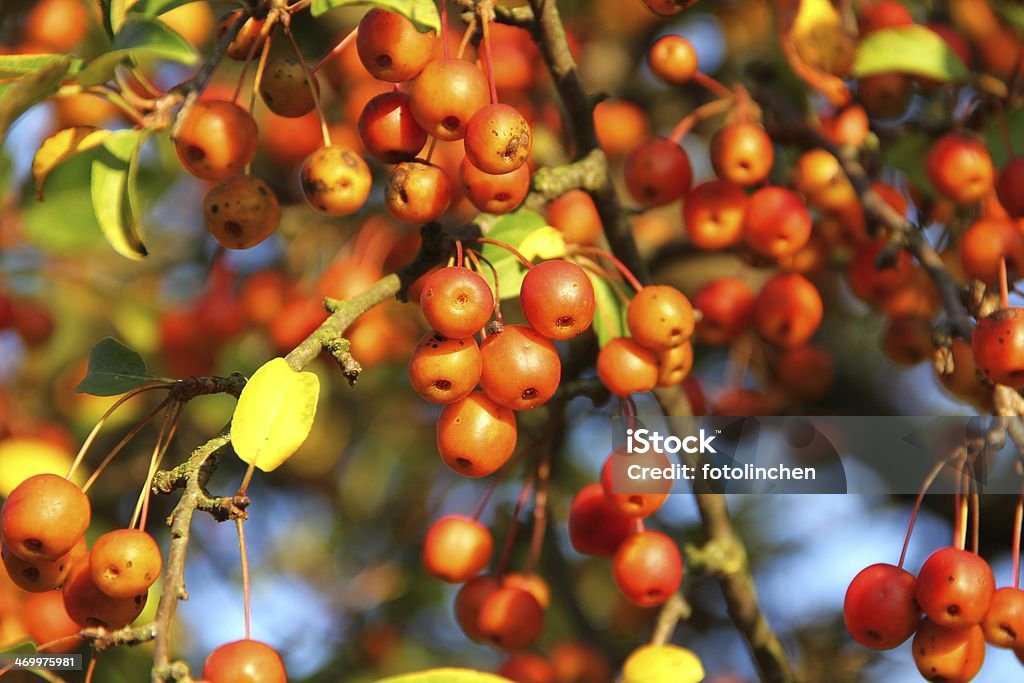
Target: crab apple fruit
x,y
444,370
241,212
521,368
658,172
390,46
596,527
498,139
849,126
41,575
388,130
470,599
1004,622
475,435
457,548
998,344
557,299
56,25
620,125
907,339
673,59
511,618
882,14
955,588
648,568
879,610
456,302
335,180
90,607
533,584
1010,187
885,95
805,372
626,367
216,140
777,222
987,242
44,517
727,310
495,194
575,215
46,620
247,36
963,381
528,668
713,214
960,168
244,661
788,310
446,95
821,178
286,88
578,662
875,284
742,153
125,562
418,192
946,655
660,317
675,364
635,498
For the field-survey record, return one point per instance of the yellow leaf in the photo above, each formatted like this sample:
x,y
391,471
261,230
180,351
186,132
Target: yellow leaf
x,y
820,37
274,414
662,664
543,243
60,147
24,457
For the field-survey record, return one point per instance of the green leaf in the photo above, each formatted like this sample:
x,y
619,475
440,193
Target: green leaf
x,y
25,648
153,8
65,223
610,316
1012,12
19,95
60,147
139,38
513,229
914,50
422,13
994,136
109,181
446,676
274,414
114,369
14,66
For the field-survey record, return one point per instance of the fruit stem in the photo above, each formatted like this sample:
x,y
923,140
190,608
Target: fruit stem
x,y
338,49
311,77
486,498
486,10
540,508
705,81
513,529
430,149
106,416
702,112
121,444
628,407
246,480
1018,518
168,427
264,40
507,247
444,27
626,272
466,37
928,481
240,526
613,279
261,66
1004,288
458,254
475,259
962,509
91,669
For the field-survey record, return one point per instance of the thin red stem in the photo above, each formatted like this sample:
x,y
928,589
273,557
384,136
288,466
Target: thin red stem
x,y
626,272
466,37
702,112
1018,518
444,27
488,58
929,480
507,247
246,592
121,444
458,254
706,81
337,49
313,90
540,509
476,259
513,529
1004,287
